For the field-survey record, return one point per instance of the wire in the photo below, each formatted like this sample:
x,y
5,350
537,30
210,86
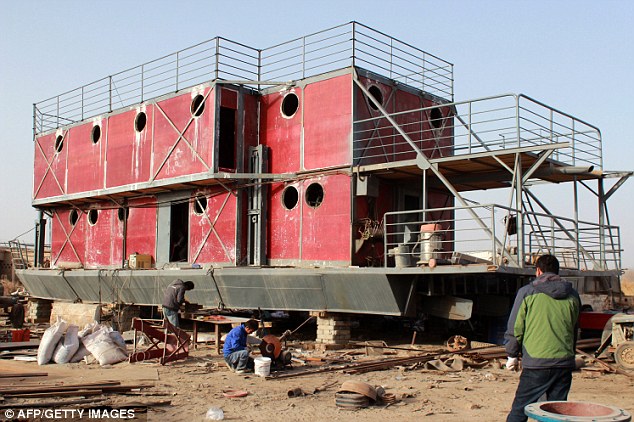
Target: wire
x,y
26,232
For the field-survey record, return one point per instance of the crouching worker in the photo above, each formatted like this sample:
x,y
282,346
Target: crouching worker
x,y
235,348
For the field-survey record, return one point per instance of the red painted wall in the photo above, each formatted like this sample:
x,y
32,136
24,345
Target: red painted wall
x,y
323,232
328,123
141,227
191,154
212,235
49,171
128,154
86,158
280,133
68,241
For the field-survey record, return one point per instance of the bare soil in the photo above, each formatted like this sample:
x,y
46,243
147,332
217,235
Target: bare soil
x,y
197,383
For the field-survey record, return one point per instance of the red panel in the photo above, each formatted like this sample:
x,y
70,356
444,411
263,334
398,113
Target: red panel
x,y
86,158
281,134
327,122
67,242
99,239
326,228
141,229
128,153
175,156
283,230
212,235
229,98
49,172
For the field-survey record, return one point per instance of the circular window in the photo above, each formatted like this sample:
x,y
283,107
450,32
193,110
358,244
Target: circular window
x,y
73,217
376,93
140,121
200,205
314,195
123,213
93,215
59,143
290,104
198,105
435,118
95,135
290,197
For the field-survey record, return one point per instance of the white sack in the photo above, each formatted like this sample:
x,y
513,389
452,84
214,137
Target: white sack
x,y
49,341
68,346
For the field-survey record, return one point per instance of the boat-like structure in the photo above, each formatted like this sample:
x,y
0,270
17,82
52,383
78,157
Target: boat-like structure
x,y
326,173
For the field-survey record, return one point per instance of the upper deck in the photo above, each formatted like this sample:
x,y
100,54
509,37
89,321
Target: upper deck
x,y
350,44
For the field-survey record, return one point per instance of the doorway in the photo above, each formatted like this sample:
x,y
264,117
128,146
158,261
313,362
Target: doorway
x,y
179,231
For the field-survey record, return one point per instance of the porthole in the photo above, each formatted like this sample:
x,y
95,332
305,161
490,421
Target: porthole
x,y
73,217
376,93
140,121
59,143
290,104
435,118
290,197
93,216
198,105
123,213
314,195
200,205
95,135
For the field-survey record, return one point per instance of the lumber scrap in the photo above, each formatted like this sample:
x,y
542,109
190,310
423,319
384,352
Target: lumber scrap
x,y
22,374
54,403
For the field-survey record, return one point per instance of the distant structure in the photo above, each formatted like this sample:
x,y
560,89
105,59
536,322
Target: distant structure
x,y
325,173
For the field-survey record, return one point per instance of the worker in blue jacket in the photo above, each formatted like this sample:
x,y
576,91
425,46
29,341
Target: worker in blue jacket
x,y
543,328
235,349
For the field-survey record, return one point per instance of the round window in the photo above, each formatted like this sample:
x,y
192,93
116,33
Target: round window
x,y
59,143
435,118
95,135
290,104
93,216
140,121
376,93
314,195
290,197
123,213
198,105
73,217
200,205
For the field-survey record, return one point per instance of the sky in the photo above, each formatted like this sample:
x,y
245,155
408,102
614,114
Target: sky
x,y
576,56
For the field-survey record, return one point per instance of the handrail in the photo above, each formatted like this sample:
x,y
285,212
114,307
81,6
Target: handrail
x,y
221,59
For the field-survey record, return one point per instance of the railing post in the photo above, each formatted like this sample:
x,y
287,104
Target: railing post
x,y
142,80
82,103
57,113
354,37
303,57
34,120
110,94
217,72
177,68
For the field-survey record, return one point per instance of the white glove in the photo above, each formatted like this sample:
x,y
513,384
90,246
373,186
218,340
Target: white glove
x,y
511,363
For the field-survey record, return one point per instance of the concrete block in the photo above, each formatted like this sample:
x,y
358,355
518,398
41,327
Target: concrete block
x,y
78,314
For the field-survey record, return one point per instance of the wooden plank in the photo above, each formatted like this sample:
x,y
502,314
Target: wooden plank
x,y
56,394
22,374
33,344
50,388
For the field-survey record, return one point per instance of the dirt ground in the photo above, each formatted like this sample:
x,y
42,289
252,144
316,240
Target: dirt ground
x,y
197,383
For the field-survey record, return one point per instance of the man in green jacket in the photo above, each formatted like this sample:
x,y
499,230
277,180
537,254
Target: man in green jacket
x,y
543,327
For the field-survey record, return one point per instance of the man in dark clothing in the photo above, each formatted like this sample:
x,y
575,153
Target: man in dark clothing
x,y
173,298
543,327
235,348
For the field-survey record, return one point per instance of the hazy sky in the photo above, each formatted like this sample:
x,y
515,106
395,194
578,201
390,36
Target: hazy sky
x,y
577,56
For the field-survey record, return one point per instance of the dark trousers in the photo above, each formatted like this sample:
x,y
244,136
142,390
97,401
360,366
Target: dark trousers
x,y
554,382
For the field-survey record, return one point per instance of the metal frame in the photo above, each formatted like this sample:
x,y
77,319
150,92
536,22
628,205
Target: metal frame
x,y
350,44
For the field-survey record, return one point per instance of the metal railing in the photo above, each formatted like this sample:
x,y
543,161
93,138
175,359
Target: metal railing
x,y
485,125
351,44
459,238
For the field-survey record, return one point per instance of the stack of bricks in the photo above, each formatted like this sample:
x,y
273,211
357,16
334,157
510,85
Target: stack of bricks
x,y
39,311
333,329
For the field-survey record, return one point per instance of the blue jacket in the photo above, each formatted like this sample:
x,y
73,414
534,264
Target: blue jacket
x,y
235,341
